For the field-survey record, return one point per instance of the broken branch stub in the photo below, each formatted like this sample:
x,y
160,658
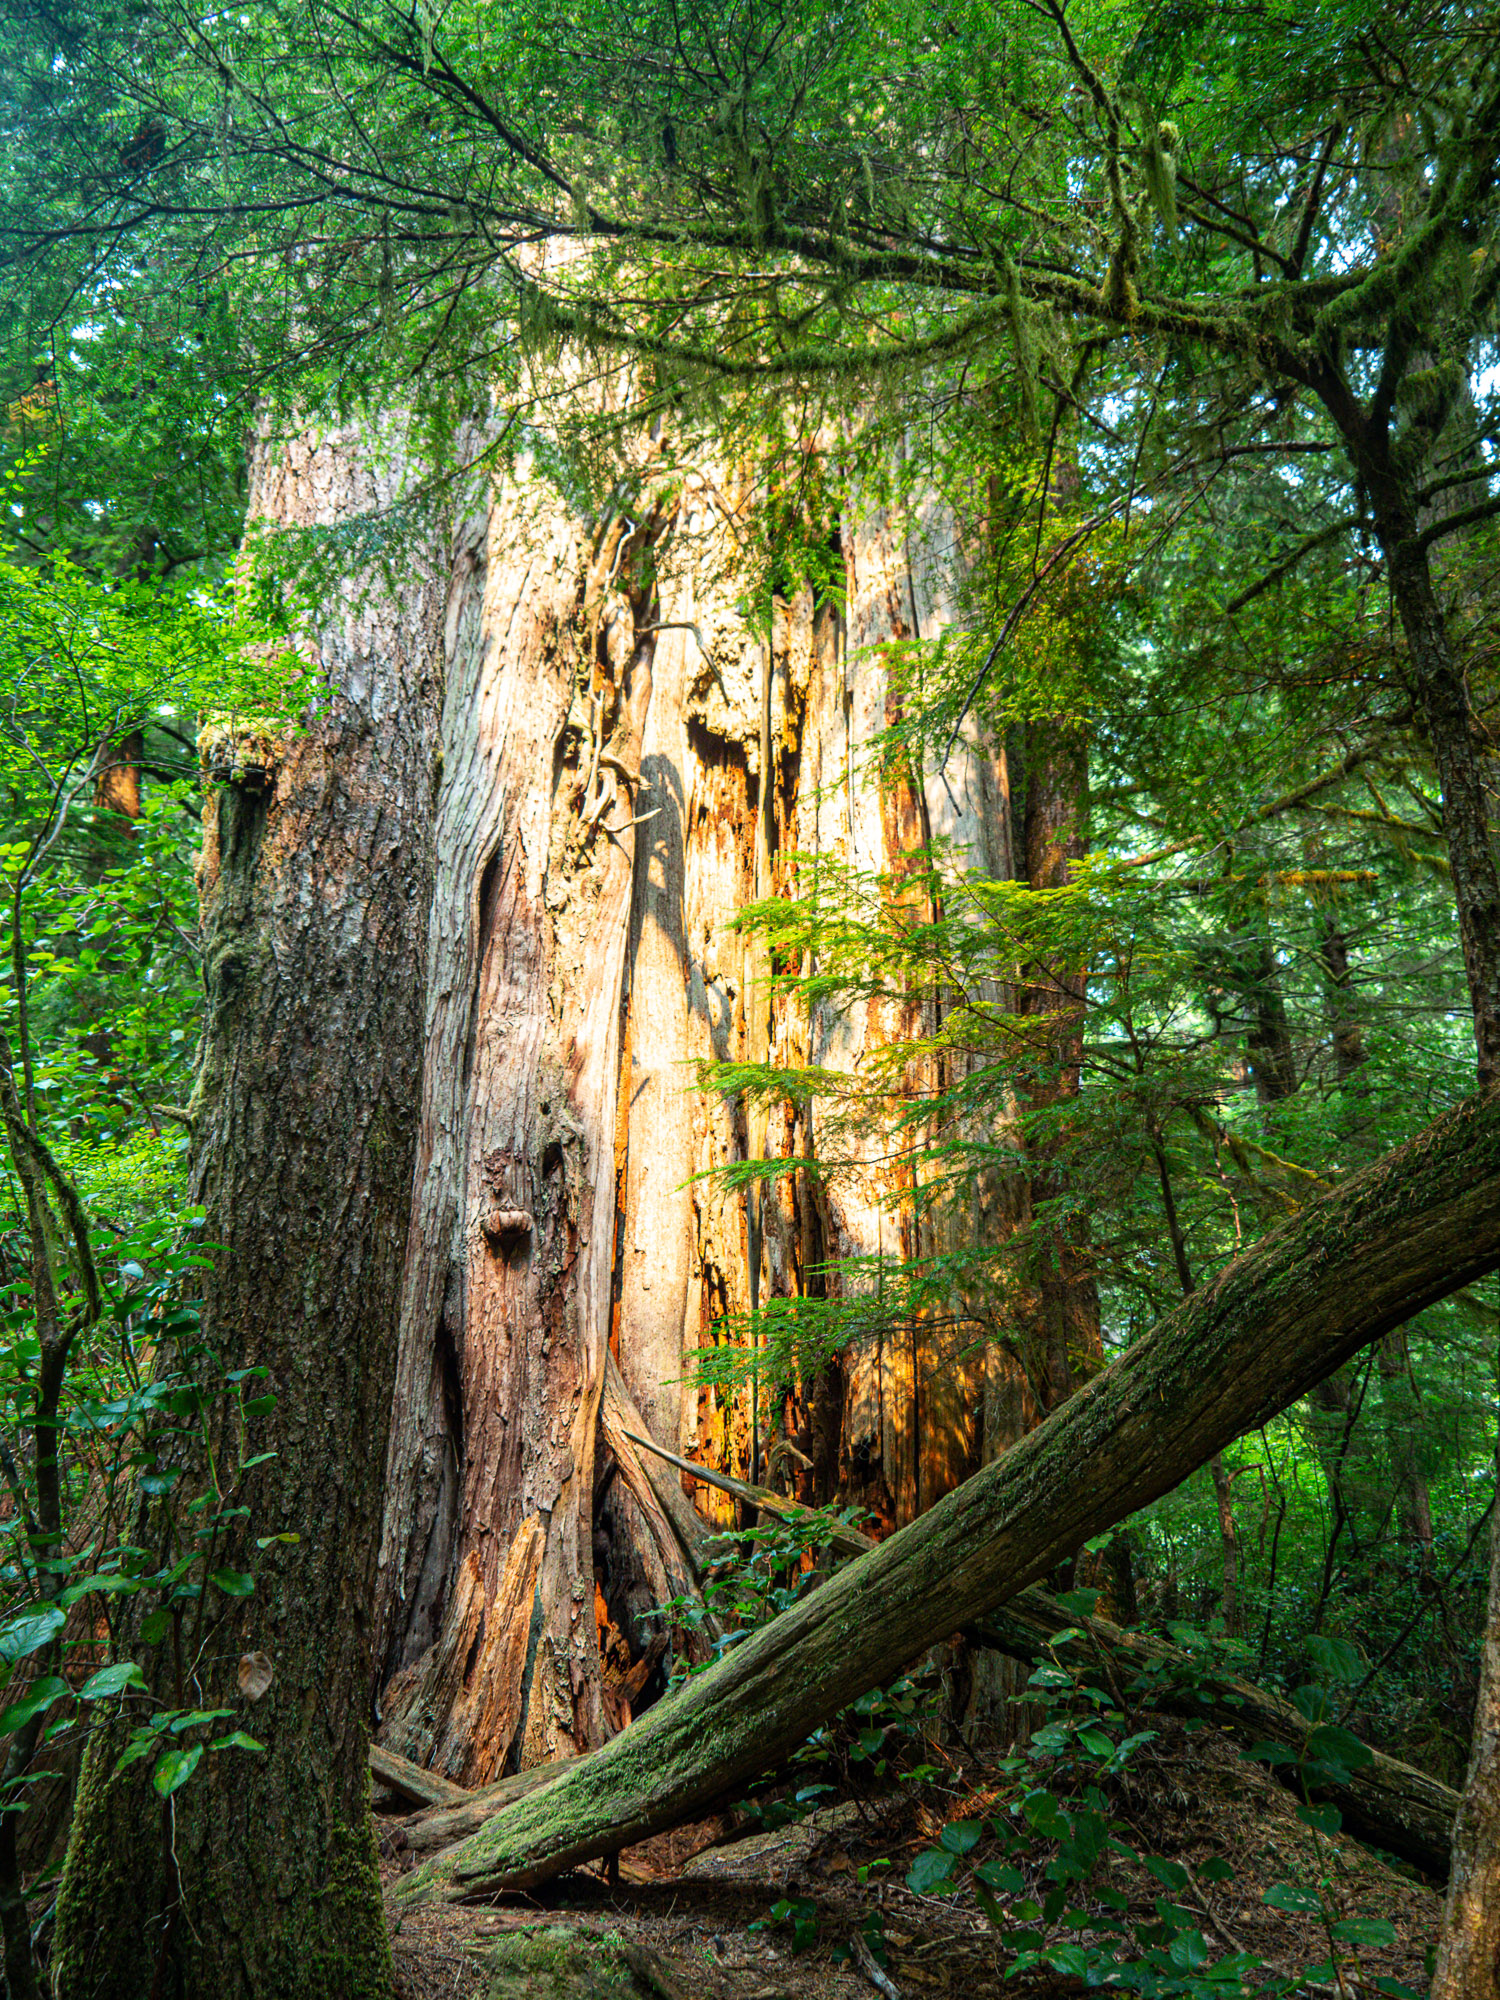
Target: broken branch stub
x,y
1414,1227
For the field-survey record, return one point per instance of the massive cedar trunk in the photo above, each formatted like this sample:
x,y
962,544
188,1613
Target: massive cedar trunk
x,y
259,1877
1410,1230
579,967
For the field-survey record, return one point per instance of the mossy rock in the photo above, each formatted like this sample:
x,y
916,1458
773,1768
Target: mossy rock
x,y
562,1962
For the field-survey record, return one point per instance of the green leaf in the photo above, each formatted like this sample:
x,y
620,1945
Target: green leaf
x,y
38,1697
1286,1896
29,1633
143,1743
1071,1959
1375,1932
1269,1753
233,1583
961,1836
1000,1875
237,1739
1080,1603
1335,1658
1337,1751
111,1680
1313,1702
930,1873
174,1768
1188,1951
1169,1873
1043,1813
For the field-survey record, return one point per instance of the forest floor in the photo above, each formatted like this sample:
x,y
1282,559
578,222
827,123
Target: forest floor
x,y
676,1925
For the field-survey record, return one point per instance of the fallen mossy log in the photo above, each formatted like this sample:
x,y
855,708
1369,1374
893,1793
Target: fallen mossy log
x,y
1360,1260
412,1782
1389,1803
441,1825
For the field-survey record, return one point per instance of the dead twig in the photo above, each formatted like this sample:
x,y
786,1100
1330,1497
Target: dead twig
x,y
864,1958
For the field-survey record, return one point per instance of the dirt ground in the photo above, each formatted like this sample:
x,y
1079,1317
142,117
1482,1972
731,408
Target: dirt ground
x,y
676,1924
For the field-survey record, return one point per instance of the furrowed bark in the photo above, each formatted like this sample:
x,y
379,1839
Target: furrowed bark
x,y
1408,1231
1468,1966
259,1879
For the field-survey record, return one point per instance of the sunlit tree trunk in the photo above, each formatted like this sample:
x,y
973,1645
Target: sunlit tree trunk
x,y
580,966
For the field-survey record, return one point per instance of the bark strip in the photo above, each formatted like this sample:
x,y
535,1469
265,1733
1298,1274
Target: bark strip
x,y
410,1782
1409,1230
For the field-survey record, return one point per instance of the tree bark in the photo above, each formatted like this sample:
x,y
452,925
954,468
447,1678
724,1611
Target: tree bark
x,y
1064,1336
1468,1965
1364,1258
544,944
1443,702
259,1877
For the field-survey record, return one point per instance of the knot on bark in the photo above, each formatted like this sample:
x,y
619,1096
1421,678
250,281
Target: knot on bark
x,y
505,1228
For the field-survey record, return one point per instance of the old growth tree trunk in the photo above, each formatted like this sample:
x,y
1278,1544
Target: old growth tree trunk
x,y
1413,1228
604,739
258,1880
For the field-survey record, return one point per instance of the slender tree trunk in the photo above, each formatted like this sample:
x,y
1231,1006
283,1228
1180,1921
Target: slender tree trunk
x,y
1469,1959
1468,1965
1349,1053
1443,702
258,1880
1064,1336
1421,1223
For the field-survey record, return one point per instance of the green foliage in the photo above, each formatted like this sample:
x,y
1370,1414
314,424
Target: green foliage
x,y
1046,1872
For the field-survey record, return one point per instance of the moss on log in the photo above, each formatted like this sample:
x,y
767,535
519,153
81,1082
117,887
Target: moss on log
x,y
1409,1230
